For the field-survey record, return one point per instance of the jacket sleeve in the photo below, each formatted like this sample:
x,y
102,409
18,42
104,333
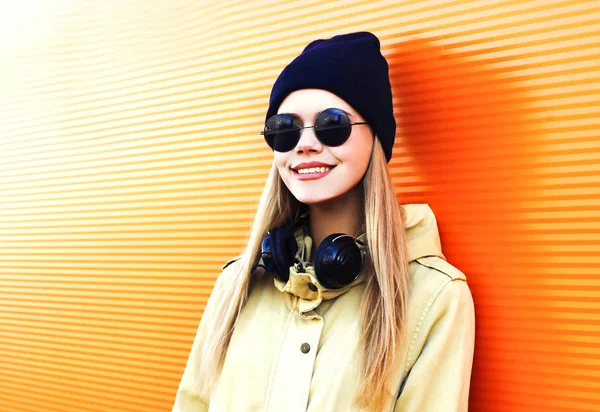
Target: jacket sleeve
x,y
440,377
187,398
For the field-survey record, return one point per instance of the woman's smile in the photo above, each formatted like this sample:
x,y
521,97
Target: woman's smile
x,y
311,170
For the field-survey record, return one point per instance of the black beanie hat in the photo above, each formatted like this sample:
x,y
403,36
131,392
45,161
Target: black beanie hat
x,y
350,66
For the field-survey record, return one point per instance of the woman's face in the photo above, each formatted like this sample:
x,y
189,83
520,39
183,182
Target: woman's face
x,y
347,163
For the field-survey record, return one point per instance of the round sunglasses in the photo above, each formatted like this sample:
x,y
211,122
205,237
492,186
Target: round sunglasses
x,y
332,128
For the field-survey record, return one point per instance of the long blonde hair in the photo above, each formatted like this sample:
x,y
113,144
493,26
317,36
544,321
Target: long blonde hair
x,y
384,305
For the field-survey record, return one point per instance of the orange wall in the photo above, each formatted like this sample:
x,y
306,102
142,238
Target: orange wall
x,y
131,165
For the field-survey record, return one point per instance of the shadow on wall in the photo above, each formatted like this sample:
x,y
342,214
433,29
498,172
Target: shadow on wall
x,y
468,126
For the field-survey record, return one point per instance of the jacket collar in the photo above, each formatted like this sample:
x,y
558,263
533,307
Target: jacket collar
x,y
422,239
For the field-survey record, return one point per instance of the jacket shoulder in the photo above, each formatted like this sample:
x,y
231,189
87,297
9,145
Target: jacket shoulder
x,y
228,274
230,261
442,266
438,292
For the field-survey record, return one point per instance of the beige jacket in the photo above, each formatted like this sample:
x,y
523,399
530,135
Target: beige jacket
x,y
294,349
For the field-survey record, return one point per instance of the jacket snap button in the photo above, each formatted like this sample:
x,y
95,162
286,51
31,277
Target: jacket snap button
x,y
305,348
312,287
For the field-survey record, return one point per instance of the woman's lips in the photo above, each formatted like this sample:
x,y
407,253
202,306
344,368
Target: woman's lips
x,y
311,175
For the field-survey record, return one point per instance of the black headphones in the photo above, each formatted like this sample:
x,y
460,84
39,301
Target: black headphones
x,y
338,261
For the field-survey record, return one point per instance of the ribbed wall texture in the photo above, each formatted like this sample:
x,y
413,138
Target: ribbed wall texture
x,y
131,164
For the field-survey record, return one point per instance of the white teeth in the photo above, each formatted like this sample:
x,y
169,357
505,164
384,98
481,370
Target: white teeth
x,y
313,170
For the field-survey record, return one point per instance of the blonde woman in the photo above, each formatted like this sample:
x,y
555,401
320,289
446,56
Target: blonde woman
x,y
342,300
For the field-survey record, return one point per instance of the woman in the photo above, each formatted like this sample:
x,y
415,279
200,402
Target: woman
x,y
311,318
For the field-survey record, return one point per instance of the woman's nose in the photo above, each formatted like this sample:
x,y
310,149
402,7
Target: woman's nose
x,y
308,142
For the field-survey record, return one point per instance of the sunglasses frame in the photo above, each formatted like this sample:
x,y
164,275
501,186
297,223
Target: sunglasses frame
x,y
299,128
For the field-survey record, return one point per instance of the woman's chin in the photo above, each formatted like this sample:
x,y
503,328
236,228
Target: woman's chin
x,y
314,197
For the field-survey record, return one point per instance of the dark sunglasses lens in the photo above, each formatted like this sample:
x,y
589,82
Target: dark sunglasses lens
x,y
281,133
332,127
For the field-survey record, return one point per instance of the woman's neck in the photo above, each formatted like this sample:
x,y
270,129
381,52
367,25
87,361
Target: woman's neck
x,y
340,215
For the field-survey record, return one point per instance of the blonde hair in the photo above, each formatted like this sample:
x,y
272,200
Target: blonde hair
x,y
384,305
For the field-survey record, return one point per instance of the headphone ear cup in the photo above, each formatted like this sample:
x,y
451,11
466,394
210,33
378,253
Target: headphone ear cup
x,y
338,261
283,251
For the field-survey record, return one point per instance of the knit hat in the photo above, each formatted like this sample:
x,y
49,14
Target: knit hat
x,y
350,66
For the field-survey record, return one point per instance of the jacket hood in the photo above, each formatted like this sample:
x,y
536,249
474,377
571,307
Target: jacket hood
x,y
422,235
